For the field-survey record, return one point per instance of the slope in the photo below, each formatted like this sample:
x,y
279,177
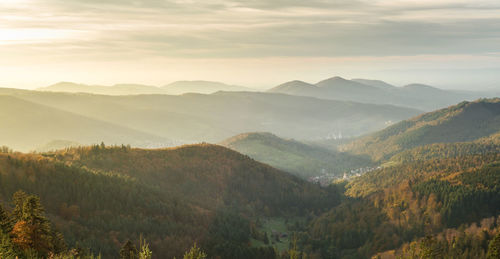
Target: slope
x,y
101,196
292,156
26,125
413,200
466,121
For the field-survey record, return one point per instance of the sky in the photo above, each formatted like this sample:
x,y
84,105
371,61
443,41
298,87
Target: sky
x,y
256,43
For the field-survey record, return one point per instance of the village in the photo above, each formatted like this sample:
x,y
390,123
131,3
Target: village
x,y
325,179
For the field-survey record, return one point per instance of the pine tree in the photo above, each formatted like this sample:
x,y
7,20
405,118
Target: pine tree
x,y
494,248
195,253
33,231
6,247
128,251
18,199
145,252
5,221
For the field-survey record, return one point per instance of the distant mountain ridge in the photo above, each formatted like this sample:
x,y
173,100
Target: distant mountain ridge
x,y
417,96
202,87
194,118
175,88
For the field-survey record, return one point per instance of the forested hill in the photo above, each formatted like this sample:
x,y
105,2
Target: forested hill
x,y
295,157
435,196
101,196
421,209
467,121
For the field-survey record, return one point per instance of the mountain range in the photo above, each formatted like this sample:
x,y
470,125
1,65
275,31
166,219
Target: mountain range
x,y
417,96
435,192
175,88
163,120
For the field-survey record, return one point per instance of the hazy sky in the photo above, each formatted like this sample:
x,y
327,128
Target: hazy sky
x,y
259,43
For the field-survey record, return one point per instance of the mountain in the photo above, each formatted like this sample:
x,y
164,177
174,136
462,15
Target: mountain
x,y
28,125
202,87
99,197
295,157
416,96
435,194
343,89
118,89
375,83
295,88
467,121
212,118
175,88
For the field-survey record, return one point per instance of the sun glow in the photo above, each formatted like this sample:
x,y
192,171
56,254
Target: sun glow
x,y
16,36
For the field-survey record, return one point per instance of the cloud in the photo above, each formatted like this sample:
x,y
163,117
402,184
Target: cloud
x,y
54,31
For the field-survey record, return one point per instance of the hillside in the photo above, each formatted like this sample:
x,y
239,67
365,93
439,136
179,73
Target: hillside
x,y
431,199
27,125
101,196
467,121
416,96
437,195
192,118
295,157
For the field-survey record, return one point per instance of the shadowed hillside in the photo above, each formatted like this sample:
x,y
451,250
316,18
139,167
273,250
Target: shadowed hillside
x,y
295,157
27,125
101,196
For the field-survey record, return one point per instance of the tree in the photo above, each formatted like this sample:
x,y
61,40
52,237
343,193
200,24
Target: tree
x,y
195,253
429,248
145,252
494,248
128,251
5,221
32,230
18,199
6,247
266,238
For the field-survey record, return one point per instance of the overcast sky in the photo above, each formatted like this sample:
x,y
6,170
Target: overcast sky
x,y
256,43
